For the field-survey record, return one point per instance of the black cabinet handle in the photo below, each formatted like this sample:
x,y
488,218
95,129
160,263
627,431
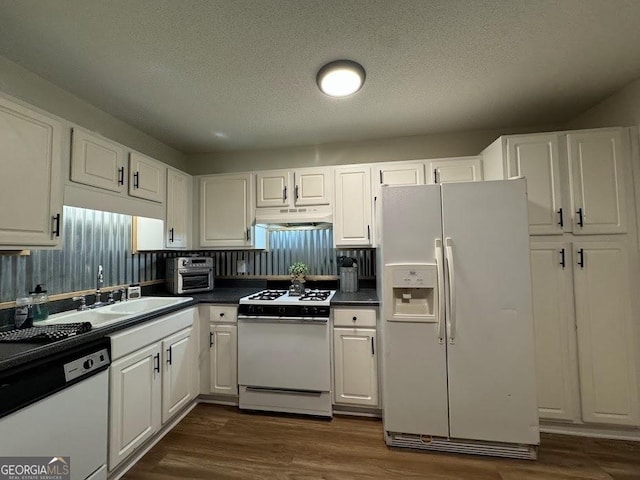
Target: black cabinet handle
x,y
296,192
248,234
121,176
56,227
435,175
373,348
562,259
581,257
368,232
156,361
560,218
211,339
355,318
380,177
136,180
171,235
284,194
169,355
580,217
221,314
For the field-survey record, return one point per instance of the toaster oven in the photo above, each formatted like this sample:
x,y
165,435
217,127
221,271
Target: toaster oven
x,y
190,274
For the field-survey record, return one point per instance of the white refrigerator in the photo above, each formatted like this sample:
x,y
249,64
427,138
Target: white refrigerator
x,y
457,327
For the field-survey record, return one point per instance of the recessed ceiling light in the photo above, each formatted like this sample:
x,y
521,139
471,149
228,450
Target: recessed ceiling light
x,y
341,78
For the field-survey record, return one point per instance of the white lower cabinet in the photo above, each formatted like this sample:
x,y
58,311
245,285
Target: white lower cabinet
x,y
149,383
585,355
178,373
555,334
355,356
223,359
134,410
355,366
606,346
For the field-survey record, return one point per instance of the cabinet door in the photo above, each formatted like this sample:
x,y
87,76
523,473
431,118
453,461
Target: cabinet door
x,y
400,174
223,359
177,209
226,213
178,373
146,178
606,346
134,407
30,184
355,366
273,188
312,186
456,170
555,335
352,222
97,161
596,163
536,158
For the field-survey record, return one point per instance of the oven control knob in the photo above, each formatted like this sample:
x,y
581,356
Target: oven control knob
x,y
305,310
281,310
259,309
185,262
314,310
88,364
251,309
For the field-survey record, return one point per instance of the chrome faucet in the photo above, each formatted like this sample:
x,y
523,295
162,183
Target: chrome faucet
x,y
99,283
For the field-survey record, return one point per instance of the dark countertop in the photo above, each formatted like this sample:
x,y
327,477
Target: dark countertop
x,y
363,297
16,354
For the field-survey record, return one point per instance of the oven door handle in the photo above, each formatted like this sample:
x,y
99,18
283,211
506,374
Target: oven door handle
x,y
298,320
194,271
305,393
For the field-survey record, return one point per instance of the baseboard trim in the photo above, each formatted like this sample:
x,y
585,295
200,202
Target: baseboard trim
x,y
631,434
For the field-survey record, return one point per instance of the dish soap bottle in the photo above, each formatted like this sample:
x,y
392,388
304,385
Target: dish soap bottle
x,y
40,302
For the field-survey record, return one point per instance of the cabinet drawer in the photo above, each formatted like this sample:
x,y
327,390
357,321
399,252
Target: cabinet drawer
x,y
221,313
354,317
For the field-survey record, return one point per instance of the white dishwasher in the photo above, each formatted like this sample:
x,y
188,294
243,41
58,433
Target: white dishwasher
x,y
58,408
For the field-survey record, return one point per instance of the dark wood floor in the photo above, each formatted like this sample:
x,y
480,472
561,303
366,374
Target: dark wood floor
x,y
216,442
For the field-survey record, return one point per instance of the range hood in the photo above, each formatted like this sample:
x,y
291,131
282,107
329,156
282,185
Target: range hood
x,y
313,215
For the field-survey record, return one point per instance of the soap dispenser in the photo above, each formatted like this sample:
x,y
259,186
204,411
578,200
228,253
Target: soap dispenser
x,y
40,302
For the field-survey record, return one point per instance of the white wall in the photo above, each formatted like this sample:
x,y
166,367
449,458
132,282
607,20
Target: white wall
x,y
437,145
35,90
622,109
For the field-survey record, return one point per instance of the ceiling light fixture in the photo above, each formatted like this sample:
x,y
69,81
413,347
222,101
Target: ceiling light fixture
x,y
340,78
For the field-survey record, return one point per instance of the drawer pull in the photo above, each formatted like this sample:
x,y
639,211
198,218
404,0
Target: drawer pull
x,y
354,318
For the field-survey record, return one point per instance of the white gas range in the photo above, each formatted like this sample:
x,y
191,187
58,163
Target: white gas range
x,y
284,352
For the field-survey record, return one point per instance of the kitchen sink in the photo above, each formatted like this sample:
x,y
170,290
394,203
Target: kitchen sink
x,y
109,314
144,305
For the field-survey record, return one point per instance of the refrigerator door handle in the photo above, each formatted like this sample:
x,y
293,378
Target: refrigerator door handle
x,y
451,320
440,287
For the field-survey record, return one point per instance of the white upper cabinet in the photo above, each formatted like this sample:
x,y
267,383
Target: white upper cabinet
x,y
226,211
178,209
400,173
312,186
147,178
606,340
536,157
273,188
353,219
595,160
583,166
293,188
31,180
96,161
449,170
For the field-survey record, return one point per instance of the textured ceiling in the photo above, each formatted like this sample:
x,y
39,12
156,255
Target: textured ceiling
x,y
215,75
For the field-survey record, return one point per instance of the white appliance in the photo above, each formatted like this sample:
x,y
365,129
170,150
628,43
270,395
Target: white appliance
x,y
284,352
457,329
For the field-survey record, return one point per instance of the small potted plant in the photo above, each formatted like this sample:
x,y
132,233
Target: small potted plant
x,y
298,272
